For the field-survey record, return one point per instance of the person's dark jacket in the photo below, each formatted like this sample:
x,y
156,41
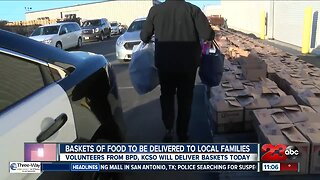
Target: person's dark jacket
x,y
178,27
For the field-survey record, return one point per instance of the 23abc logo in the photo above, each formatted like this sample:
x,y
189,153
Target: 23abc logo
x,y
279,152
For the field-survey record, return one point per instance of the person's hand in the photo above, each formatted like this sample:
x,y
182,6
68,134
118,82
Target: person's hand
x,y
208,43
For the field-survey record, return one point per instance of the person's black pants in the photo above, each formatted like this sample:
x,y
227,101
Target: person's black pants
x,y
182,84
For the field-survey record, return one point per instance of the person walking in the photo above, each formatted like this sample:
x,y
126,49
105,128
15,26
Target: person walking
x,y
178,27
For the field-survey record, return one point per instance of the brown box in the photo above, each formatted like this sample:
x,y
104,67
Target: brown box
x,y
301,94
225,114
255,73
256,104
217,92
264,116
281,101
311,131
253,67
228,76
229,128
301,114
286,115
288,134
281,80
265,90
248,112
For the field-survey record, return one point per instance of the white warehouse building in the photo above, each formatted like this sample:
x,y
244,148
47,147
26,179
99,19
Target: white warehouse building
x,y
113,10
284,19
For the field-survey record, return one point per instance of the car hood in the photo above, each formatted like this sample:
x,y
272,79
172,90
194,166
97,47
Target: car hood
x,y
42,37
132,36
90,27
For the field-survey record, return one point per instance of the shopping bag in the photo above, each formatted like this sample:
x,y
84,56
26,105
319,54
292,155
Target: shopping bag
x,y
211,66
142,70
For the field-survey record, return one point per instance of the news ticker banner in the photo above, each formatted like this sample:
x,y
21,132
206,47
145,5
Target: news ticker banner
x,y
142,152
39,167
159,152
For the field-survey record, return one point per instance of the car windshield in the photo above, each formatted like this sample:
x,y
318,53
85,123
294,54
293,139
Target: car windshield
x,y
91,23
46,30
136,26
114,24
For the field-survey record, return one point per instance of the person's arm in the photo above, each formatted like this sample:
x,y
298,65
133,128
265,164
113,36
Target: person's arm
x,y
148,28
202,25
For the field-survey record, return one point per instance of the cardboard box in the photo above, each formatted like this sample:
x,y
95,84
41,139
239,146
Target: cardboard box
x,y
256,104
280,101
286,115
311,131
228,76
232,52
226,113
288,134
263,116
255,73
217,92
281,79
264,89
229,128
301,95
300,114
253,67
248,112
312,117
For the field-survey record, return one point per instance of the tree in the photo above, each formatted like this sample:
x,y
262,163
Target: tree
x,y
3,22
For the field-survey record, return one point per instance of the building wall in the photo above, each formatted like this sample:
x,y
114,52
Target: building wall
x,y
212,10
121,11
285,19
244,15
288,24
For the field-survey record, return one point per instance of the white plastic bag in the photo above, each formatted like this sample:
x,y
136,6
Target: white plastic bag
x,y
143,73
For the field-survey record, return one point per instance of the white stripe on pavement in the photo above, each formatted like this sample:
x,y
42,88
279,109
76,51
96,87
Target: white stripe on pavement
x,y
110,54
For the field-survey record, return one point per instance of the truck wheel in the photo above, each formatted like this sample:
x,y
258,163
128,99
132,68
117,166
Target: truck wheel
x,y
101,36
59,45
79,42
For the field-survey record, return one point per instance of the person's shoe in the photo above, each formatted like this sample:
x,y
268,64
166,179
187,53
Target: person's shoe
x,y
183,138
168,137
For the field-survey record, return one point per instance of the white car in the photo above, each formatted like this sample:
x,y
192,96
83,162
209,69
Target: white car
x,y
130,38
48,95
61,35
115,28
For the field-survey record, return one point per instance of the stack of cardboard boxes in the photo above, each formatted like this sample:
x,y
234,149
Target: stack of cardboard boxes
x,y
297,126
232,103
294,76
250,97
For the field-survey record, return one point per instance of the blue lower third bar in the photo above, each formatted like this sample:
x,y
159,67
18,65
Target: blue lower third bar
x,y
85,167
55,166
